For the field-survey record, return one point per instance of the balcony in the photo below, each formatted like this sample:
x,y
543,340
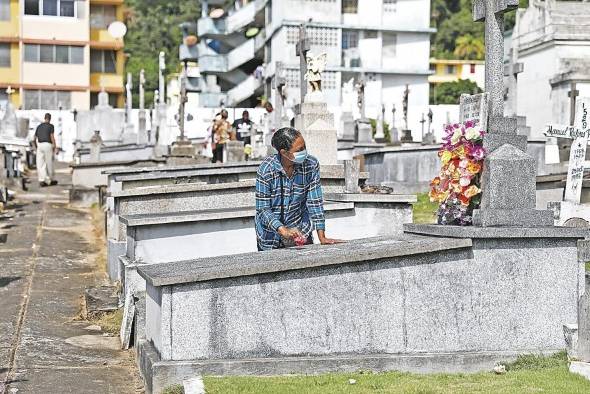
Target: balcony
x,y
112,83
209,28
101,39
9,29
107,2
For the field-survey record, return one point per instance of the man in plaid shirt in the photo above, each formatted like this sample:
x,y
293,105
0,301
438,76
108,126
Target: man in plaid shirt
x,y
289,202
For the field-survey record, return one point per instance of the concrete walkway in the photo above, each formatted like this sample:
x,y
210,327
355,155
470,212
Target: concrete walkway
x,y
48,260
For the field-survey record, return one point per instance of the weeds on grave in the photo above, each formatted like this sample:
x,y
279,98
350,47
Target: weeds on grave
x,y
175,389
535,362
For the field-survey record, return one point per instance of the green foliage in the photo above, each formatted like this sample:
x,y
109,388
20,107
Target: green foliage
x,y
449,92
153,27
536,362
386,130
453,19
424,211
174,389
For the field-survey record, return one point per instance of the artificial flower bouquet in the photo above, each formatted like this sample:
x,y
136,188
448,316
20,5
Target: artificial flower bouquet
x,y
457,188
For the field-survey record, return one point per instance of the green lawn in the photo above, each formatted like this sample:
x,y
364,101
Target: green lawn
x,y
530,374
424,210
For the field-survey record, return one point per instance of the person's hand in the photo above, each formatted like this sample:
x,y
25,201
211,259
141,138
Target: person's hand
x,y
56,150
329,241
289,233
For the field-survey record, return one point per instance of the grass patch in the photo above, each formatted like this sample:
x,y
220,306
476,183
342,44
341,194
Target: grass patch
x,y
110,322
424,211
175,389
528,374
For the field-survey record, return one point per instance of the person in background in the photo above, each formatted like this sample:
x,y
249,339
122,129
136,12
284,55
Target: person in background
x,y
44,144
289,200
222,133
243,129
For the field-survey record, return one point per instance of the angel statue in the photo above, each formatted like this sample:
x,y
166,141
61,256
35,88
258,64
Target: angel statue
x,y
315,67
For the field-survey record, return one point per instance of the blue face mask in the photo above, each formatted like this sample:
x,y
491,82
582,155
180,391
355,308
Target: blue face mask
x,y
299,157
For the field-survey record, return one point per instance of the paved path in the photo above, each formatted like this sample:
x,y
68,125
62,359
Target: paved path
x,y
45,265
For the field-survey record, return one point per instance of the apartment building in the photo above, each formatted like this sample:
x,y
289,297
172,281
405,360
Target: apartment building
x,y
58,53
385,42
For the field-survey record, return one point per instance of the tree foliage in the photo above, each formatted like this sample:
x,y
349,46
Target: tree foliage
x,y
449,92
153,27
453,20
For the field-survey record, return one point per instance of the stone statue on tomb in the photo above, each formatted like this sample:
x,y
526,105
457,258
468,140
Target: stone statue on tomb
x,y
315,67
405,106
360,90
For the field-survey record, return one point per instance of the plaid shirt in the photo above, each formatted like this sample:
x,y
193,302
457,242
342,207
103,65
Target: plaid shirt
x,y
303,205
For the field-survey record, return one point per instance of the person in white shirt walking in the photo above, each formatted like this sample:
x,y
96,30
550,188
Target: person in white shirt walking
x,y
45,145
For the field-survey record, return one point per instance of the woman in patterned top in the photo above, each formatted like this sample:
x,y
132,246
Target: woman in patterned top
x,y
222,132
289,202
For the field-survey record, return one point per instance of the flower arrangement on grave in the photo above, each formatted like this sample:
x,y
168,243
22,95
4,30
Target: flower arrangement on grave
x,y
457,187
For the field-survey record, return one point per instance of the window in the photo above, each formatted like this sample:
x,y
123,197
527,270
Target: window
x,y
66,54
4,10
3,96
370,34
103,61
4,55
47,99
350,39
350,6
101,16
451,69
64,8
389,6
389,44
472,68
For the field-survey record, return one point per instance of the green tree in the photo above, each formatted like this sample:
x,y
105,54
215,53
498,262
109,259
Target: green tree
x,y
153,27
449,92
469,47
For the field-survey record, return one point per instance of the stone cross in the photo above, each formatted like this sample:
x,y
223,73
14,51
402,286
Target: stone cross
x,y
511,70
278,85
128,87
580,134
302,48
183,100
141,89
508,183
422,121
572,94
393,115
492,13
161,80
430,115
405,106
360,89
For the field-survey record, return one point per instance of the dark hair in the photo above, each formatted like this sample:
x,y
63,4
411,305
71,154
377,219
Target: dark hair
x,y
245,112
47,116
284,138
224,114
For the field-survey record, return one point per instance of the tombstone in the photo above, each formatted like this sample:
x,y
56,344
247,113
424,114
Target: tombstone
x,y
103,117
579,133
95,146
351,175
393,129
278,85
379,134
511,70
364,132
313,119
234,150
474,108
8,125
429,138
406,132
507,164
347,125
129,135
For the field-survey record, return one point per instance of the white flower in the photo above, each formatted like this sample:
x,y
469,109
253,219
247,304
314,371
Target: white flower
x,y
472,133
456,136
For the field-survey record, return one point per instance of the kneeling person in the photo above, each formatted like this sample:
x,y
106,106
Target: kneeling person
x,y
289,202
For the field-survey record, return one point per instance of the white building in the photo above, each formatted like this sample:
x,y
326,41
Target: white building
x,y
553,39
387,40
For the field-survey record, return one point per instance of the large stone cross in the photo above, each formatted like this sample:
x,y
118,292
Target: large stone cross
x,y
302,48
491,12
128,87
511,70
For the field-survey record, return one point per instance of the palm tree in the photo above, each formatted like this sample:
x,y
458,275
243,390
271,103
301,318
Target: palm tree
x,y
469,48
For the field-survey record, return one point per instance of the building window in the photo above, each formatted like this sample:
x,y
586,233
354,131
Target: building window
x,y
65,54
4,55
94,100
451,69
350,6
350,39
47,99
370,34
4,10
103,61
472,68
101,16
389,44
3,96
65,8
389,6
